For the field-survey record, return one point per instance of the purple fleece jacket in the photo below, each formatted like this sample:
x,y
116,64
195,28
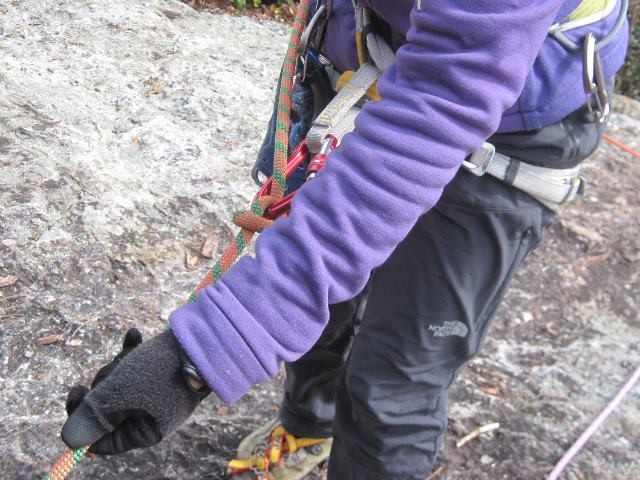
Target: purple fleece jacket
x,y
464,63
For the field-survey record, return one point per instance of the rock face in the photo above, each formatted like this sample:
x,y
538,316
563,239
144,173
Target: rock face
x,y
127,132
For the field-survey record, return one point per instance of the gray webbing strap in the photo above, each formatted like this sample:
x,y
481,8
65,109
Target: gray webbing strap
x,y
337,118
551,186
379,50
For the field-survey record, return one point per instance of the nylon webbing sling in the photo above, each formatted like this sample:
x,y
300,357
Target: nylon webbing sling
x,y
550,186
338,117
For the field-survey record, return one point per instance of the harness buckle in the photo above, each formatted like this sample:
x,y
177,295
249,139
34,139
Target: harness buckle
x,y
594,82
478,162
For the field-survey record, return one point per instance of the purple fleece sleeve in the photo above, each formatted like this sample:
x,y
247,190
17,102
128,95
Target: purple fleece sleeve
x,y
465,63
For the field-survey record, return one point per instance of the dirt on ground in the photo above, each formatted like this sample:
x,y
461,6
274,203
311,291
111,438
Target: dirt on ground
x,y
125,146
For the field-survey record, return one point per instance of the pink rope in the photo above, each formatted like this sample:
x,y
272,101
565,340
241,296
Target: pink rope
x,y
584,438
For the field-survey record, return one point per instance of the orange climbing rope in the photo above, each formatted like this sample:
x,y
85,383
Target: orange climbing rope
x,y
254,220
621,146
251,221
65,464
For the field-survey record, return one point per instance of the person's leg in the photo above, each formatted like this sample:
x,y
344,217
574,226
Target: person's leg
x,y
308,407
427,314
431,304
458,261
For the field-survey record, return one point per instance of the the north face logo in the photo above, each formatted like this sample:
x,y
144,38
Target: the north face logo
x,y
449,328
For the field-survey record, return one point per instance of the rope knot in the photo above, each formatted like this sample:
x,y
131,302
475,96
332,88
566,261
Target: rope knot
x,y
253,220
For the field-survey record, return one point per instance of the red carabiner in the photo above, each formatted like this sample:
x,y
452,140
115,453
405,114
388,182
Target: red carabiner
x,y
282,207
319,160
297,158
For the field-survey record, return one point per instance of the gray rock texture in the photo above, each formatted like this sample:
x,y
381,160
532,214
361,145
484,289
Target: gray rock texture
x,y
127,132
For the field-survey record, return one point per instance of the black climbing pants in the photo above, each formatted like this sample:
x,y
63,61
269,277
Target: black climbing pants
x,y
377,380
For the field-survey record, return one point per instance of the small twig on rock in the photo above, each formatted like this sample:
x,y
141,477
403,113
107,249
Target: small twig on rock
x,y
476,433
48,339
8,281
436,473
79,327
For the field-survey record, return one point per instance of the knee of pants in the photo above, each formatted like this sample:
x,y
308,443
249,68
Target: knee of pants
x,y
397,393
393,430
393,405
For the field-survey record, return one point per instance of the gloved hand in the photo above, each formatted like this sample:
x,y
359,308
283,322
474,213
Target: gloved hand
x,y
135,400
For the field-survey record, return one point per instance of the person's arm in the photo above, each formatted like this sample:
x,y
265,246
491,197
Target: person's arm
x,y
464,64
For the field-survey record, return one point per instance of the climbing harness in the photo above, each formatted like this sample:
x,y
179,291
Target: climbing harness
x,y
279,443
550,186
556,187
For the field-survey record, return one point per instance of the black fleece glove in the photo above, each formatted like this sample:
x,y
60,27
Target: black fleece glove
x,y
135,400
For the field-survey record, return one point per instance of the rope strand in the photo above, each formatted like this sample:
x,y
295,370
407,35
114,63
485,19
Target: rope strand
x,y
65,464
252,221
586,435
621,146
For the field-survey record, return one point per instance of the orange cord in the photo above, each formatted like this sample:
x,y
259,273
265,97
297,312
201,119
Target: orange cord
x,y
622,146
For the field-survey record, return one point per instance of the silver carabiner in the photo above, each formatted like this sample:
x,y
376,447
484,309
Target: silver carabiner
x,y
595,87
303,45
306,33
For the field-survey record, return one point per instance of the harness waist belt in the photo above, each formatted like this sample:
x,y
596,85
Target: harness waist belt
x,y
550,186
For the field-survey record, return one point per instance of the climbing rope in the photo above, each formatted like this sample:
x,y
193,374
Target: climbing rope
x,y
586,435
252,220
65,464
621,146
